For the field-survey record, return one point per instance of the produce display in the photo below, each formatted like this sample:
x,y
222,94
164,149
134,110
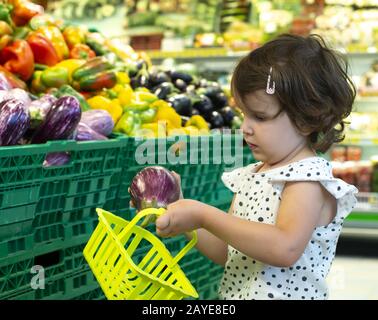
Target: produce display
x,y
62,81
352,26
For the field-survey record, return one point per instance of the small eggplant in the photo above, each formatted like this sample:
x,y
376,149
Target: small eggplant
x,y
182,104
98,120
14,121
85,133
216,120
180,84
163,90
154,187
61,121
56,159
181,75
204,106
39,109
16,93
228,115
156,78
4,83
219,100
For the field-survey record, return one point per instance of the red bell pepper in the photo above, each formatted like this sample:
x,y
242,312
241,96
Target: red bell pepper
x,y
24,10
57,40
82,51
43,50
18,58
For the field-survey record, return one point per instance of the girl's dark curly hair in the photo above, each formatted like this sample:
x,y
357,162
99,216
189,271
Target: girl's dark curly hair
x,y
312,84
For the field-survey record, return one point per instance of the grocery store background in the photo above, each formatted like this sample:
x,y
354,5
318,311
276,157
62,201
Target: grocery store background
x,y
208,37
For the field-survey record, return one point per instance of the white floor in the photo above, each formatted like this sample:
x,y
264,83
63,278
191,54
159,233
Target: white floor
x,y
353,278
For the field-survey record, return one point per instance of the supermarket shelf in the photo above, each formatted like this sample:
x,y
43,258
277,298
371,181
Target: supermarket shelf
x,y
223,59
221,52
364,141
196,54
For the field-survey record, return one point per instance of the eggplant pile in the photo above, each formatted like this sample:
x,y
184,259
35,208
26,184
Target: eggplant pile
x,y
24,120
188,95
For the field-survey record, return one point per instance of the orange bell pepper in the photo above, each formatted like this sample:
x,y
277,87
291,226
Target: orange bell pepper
x,y
18,58
82,51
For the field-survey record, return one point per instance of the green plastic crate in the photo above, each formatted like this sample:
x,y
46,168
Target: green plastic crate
x,y
64,288
43,207
16,277
96,294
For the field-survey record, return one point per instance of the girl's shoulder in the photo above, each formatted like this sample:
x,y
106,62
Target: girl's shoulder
x,y
312,169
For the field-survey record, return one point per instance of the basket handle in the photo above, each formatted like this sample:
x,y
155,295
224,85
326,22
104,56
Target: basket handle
x,y
159,212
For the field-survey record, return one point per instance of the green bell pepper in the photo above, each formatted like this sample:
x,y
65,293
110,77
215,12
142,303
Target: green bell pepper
x,y
137,106
128,123
148,115
5,13
55,77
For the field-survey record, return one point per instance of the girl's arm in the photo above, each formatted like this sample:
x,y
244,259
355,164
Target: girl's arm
x,y
211,246
280,245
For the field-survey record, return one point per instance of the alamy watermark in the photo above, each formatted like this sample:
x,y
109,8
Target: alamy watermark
x,y
37,281
217,147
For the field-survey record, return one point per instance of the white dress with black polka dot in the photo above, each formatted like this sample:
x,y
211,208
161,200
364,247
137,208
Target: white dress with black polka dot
x,y
257,199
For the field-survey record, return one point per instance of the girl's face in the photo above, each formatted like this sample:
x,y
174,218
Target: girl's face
x,y
269,133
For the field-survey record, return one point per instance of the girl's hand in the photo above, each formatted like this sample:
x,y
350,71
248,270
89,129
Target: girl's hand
x,y
181,216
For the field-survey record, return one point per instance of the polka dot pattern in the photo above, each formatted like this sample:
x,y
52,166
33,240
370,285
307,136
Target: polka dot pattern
x,y
258,197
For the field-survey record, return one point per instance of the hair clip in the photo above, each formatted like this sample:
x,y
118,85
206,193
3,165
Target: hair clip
x,y
269,89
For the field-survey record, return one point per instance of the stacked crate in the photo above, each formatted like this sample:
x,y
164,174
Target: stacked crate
x,y
47,214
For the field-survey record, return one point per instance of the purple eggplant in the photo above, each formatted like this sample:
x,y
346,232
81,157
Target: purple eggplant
x,y
4,83
61,121
14,121
85,133
154,187
17,94
98,120
56,159
39,109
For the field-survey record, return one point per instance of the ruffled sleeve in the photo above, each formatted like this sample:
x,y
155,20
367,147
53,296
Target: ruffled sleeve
x,y
321,170
233,180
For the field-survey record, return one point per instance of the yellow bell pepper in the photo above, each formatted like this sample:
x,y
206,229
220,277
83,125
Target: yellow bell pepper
x,y
56,38
118,88
125,95
122,78
170,115
160,104
112,106
152,130
74,35
197,121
